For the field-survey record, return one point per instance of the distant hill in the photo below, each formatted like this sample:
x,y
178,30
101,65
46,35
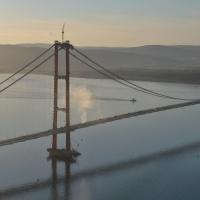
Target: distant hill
x,y
152,63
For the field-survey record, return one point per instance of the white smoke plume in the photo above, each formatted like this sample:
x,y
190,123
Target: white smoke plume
x,y
83,98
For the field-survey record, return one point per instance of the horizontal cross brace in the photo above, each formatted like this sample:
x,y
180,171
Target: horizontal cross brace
x,y
61,109
62,77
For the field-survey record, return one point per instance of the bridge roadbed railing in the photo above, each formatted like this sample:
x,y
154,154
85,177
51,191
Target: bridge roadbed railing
x,y
96,122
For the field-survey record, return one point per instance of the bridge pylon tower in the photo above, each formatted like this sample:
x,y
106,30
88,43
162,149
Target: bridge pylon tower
x,y
67,154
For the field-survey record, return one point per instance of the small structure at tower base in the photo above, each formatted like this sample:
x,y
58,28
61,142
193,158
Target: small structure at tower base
x,y
63,155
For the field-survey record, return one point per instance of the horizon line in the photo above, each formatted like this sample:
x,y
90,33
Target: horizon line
x,y
96,46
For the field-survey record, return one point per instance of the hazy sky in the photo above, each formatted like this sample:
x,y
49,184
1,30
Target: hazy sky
x,y
101,22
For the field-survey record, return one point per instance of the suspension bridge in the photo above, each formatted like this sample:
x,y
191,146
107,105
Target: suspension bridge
x,y
72,51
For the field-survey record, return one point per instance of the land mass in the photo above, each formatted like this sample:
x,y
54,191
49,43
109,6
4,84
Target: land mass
x,y
146,63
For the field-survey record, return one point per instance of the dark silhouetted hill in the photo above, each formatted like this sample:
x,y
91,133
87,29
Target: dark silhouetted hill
x,y
147,63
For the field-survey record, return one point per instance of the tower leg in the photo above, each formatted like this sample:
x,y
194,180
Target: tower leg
x,y
54,139
68,145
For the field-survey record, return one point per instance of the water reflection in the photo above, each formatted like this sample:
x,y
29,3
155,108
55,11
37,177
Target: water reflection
x,y
52,183
55,181
54,191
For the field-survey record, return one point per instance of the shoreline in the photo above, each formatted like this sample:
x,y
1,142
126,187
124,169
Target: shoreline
x,y
158,79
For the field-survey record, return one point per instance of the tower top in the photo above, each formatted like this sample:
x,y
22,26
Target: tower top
x,y
63,32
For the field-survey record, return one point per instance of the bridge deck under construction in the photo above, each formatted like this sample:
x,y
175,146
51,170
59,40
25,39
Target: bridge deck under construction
x,y
96,122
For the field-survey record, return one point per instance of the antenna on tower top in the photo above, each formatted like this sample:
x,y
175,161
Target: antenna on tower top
x,y
63,32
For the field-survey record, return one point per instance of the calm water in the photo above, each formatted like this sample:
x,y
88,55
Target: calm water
x,y
112,164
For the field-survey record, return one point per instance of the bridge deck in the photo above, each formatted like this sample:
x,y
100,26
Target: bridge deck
x,y
96,122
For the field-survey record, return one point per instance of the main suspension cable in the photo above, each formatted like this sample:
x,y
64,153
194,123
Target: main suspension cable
x,y
27,65
109,76
37,66
128,82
